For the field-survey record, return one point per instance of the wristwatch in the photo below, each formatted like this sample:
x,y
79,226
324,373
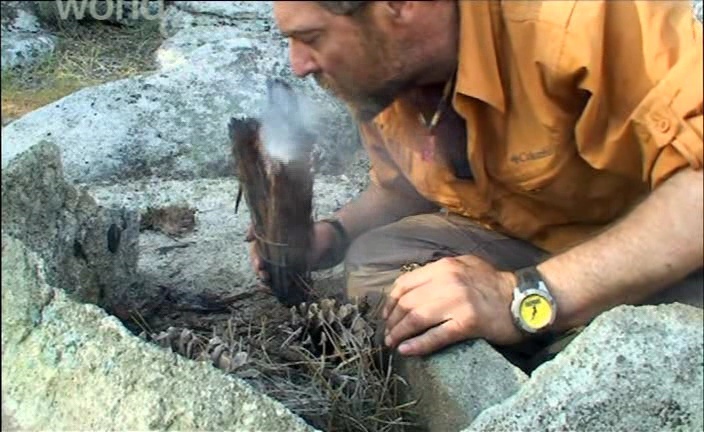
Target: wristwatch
x,y
533,307
342,236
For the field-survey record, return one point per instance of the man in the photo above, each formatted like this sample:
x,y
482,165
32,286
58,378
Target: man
x,y
542,159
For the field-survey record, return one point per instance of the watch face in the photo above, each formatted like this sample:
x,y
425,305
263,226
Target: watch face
x,y
536,311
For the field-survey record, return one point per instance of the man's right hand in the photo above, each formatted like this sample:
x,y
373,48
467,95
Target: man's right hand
x,y
375,207
326,249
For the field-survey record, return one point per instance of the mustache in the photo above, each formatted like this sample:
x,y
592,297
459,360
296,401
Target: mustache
x,y
364,106
324,83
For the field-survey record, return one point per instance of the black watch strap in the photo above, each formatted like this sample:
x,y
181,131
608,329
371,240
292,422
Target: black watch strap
x,y
341,232
528,277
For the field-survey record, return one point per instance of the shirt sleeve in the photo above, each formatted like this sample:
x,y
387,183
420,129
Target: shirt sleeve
x,y
639,66
384,172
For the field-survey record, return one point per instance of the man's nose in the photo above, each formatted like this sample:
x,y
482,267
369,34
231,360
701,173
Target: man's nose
x,y
302,60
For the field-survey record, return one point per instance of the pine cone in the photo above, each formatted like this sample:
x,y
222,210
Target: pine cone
x,y
179,340
222,358
325,328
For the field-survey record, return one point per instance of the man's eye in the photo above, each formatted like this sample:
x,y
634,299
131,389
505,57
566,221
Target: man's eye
x,y
310,40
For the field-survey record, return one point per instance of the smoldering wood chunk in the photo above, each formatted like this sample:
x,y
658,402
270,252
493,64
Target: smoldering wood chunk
x,y
278,194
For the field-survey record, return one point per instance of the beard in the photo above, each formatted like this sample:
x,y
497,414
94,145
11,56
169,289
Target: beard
x,y
384,80
365,104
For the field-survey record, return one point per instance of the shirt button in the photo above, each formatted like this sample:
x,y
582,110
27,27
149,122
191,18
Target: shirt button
x,y
663,125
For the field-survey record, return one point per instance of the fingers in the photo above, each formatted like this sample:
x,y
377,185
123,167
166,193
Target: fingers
x,y
258,265
433,339
415,320
410,302
403,285
254,256
249,236
444,302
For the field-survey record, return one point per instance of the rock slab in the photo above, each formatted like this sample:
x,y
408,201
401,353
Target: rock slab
x,y
91,251
455,385
24,41
247,17
633,368
172,123
70,366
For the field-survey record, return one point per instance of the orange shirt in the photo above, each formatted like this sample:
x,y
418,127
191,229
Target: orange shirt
x,y
574,111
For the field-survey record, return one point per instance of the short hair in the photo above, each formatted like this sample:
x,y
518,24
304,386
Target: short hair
x,y
344,7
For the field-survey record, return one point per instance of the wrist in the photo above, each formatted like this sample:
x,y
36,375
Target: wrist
x,y
510,282
572,312
508,285
342,239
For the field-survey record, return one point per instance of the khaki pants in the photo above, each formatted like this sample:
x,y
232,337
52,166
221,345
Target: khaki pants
x,y
374,260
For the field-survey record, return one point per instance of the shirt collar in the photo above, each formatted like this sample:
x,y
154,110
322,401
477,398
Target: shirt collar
x,y
478,70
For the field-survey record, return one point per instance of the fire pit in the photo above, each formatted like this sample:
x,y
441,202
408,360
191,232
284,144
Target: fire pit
x,y
294,339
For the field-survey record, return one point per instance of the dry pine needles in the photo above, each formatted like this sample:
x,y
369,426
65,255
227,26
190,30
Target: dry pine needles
x,y
320,362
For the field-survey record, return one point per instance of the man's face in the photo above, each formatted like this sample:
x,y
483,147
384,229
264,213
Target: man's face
x,y
349,57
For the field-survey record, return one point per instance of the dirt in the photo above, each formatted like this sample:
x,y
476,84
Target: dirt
x,y
8,423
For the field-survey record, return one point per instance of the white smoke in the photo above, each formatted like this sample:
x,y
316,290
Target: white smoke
x,y
285,116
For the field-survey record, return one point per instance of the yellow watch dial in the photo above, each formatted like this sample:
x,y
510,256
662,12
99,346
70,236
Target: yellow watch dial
x,y
536,311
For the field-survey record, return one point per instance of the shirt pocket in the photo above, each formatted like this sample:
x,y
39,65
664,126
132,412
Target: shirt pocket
x,y
574,189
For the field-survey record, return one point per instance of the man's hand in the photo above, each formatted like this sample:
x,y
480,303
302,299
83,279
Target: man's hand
x,y
448,301
322,254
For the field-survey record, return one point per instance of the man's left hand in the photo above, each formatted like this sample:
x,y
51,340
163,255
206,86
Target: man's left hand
x,y
448,301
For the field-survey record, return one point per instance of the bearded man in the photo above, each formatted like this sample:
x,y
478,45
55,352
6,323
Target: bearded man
x,y
542,159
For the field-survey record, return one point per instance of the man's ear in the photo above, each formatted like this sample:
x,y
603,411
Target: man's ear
x,y
397,9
